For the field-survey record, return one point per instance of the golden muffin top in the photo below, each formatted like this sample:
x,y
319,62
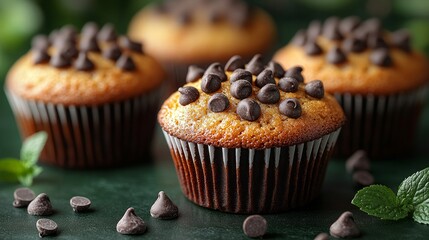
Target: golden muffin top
x,y
96,66
249,105
357,57
190,31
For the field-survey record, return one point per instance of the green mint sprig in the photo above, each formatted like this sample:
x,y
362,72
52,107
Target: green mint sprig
x,y
412,197
25,168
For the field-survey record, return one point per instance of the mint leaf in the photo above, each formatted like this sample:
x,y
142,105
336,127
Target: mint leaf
x,y
421,213
379,201
414,190
31,148
10,169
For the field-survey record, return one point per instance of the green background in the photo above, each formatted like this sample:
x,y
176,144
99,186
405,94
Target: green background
x,y
113,191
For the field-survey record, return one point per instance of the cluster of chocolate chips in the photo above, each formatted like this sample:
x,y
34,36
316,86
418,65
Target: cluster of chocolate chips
x,y
70,49
184,11
352,35
242,85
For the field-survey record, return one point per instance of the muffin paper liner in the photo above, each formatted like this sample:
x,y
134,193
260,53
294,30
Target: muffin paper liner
x,y
384,126
105,135
240,180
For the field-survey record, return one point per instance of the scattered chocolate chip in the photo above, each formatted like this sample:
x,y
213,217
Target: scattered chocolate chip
x,y
276,68
269,94
344,227
401,39
234,63
83,63
89,44
295,72
358,161
218,102
381,57
241,74
107,33
314,29
194,73
300,38
40,206
290,107
40,42
125,63
188,95
315,89
335,56
23,197
112,52
134,46
331,30
255,226
80,204
363,178
241,89
46,227
352,44
376,41
216,68
348,24
256,65
60,61
322,236
264,78
40,56
164,208
248,109
210,83
131,224
288,84
312,49
90,29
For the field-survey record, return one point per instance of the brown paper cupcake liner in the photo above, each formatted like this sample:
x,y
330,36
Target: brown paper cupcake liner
x,y
239,180
384,126
106,135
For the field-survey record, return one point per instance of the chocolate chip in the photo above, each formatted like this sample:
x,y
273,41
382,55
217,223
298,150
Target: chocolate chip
x,y
46,227
216,68
256,65
314,29
269,94
401,39
358,161
90,29
125,63
276,68
210,83
248,109
107,33
112,52
40,42
53,36
241,74
264,78
80,204
131,224
335,56
290,107
194,73
188,95
218,103
60,61
68,32
331,29
295,72
241,89
288,84
312,49
362,178
373,25
381,57
255,226
234,63
164,208
352,44
376,41
322,236
23,197
83,63
315,89
348,24
344,227
300,38
40,56
40,206
68,50
89,44
134,46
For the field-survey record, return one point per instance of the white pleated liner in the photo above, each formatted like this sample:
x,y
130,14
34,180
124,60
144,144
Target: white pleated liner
x,y
379,124
90,136
242,180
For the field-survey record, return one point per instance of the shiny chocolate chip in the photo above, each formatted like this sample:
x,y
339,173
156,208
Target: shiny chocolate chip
x,y
218,102
315,89
188,94
381,57
241,74
126,63
264,78
314,29
194,73
23,197
290,107
376,41
90,29
363,178
336,56
80,204
83,63
216,68
134,46
401,39
248,109
276,68
107,33
358,161
68,50
234,63
288,84
112,52
131,224
322,236
40,56
255,226
69,32
89,44
300,38
348,24
331,29
295,72
40,206
241,89
58,60
269,94
210,83
40,42
46,227
256,65
164,208
352,44
312,49
345,227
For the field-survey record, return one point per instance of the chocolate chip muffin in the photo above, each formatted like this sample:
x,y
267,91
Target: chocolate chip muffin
x,y
248,138
377,77
94,93
198,32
